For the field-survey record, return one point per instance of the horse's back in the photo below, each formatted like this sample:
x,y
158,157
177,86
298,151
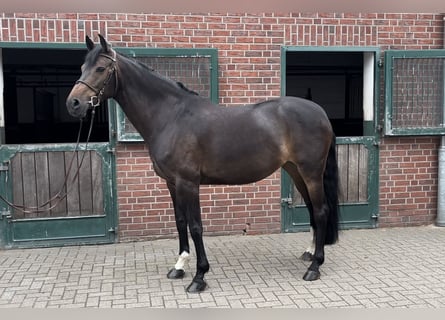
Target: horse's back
x,y
245,144
306,112
303,119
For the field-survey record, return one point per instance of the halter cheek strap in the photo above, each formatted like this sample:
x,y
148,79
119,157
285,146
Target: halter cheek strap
x,y
112,70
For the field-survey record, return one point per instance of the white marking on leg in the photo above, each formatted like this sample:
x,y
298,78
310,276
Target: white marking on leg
x,y
311,248
182,260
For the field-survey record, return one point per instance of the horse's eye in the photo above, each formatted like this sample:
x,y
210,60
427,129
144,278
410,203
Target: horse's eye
x,y
100,69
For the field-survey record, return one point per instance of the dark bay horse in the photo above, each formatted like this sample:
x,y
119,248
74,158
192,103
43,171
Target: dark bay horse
x,y
192,142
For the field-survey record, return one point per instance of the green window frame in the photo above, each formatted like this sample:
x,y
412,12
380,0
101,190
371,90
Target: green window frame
x,y
414,92
177,64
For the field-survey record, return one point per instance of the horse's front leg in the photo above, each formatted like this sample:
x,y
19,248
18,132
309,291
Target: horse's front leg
x,y
177,272
187,199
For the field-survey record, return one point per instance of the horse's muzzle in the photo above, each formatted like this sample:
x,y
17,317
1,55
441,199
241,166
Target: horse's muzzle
x,y
76,107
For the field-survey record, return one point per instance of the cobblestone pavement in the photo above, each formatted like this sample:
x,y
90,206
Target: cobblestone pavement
x,y
399,267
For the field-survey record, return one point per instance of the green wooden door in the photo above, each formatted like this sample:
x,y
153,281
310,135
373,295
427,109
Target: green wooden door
x,y
32,174
33,160
345,82
358,174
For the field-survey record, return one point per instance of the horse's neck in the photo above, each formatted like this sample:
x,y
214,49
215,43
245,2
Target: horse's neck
x,y
138,80
145,98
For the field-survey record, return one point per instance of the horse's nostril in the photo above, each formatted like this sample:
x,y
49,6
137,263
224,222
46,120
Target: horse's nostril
x,y
75,103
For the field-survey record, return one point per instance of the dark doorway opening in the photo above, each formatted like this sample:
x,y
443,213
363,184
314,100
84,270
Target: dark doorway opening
x,y
332,79
36,84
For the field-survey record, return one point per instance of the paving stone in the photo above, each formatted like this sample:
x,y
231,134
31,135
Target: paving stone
x,y
380,268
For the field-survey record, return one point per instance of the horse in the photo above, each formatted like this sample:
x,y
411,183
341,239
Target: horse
x,y
192,141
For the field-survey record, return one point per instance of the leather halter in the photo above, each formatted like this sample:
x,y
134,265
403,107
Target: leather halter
x,y
112,70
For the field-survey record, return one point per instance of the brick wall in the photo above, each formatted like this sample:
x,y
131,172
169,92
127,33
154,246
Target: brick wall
x,y
408,181
249,60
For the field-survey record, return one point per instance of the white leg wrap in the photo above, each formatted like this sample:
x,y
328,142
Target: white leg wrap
x,y
182,260
311,248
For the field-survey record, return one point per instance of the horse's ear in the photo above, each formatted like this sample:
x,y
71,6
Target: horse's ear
x,y
90,43
105,45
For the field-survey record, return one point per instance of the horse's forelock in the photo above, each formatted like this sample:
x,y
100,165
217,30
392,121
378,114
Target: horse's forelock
x,y
92,55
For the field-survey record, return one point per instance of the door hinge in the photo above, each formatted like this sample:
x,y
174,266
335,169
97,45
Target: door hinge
x,y
287,201
5,214
374,220
112,230
4,166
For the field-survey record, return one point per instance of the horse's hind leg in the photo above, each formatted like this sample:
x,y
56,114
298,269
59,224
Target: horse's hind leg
x,y
308,179
292,170
320,219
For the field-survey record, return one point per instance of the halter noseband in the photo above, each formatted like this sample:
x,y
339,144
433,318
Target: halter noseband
x,y
96,99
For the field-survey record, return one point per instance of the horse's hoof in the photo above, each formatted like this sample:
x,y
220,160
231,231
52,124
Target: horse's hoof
x,y
311,275
176,274
197,286
307,256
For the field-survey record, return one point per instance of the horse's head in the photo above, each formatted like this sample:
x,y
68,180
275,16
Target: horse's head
x,y
98,81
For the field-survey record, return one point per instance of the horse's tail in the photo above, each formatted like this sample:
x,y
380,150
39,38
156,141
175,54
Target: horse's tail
x,y
331,191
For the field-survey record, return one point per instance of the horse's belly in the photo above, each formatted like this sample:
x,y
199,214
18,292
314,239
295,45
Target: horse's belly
x,y
237,173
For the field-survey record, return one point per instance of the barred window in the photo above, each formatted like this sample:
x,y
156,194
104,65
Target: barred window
x,y
414,100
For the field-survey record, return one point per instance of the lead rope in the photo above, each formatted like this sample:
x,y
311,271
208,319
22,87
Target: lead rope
x,y
59,196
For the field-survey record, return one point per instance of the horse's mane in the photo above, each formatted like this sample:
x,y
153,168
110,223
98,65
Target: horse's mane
x,y
162,77
92,56
183,87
